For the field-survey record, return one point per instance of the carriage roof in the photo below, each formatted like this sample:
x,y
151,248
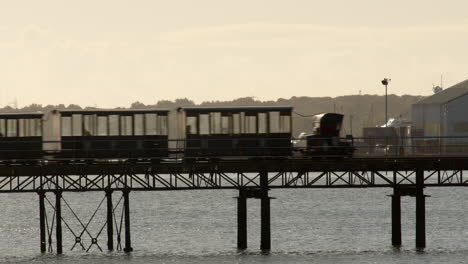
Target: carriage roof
x,y
237,109
19,115
113,111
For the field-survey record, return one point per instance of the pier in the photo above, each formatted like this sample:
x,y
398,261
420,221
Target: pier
x,y
254,179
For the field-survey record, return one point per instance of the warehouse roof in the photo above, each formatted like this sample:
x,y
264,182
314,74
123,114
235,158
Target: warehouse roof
x,y
449,94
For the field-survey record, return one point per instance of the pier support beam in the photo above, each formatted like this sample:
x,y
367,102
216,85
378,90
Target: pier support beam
x,y
128,242
110,223
420,221
242,219
58,220
265,240
420,210
42,226
396,218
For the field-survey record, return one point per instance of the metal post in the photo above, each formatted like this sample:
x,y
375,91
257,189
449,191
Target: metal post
x,y
386,107
265,241
420,210
110,223
58,220
128,242
242,220
385,82
42,226
396,218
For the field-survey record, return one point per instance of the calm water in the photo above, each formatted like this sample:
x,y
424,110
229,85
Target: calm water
x,y
308,226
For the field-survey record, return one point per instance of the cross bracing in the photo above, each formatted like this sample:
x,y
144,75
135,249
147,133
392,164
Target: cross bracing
x,y
351,173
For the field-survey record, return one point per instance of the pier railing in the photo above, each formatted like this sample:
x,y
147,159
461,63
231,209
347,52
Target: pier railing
x,y
214,147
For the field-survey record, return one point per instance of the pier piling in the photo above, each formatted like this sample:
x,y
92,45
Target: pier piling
x,y
110,223
42,226
420,222
396,218
420,210
128,243
58,220
265,240
242,219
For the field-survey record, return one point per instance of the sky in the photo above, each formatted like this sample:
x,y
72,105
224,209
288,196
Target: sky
x,y
110,53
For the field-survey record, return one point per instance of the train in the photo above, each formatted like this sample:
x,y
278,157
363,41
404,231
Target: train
x,y
188,133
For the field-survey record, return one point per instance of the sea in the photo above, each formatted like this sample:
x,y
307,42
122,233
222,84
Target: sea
x,y
199,226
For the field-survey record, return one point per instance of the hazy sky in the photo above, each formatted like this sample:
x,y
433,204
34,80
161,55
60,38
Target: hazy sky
x,y
114,52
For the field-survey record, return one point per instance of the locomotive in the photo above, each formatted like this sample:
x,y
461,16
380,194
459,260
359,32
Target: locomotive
x,y
324,139
190,133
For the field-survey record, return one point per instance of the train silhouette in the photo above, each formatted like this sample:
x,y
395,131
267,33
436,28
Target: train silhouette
x,y
190,133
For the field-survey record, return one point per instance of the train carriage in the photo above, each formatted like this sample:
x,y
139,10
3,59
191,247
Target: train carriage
x,y
20,136
115,133
236,131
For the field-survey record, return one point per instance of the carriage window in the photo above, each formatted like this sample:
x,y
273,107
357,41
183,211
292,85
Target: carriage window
x,y
215,123
126,125
163,128
204,124
37,127
66,126
138,124
113,125
32,130
76,125
225,125
236,124
2,128
102,125
274,122
21,127
29,127
262,123
191,125
285,124
250,124
150,124
24,130
242,123
12,128
89,126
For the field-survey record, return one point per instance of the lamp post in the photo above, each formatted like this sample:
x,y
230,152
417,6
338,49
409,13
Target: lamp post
x,y
385,82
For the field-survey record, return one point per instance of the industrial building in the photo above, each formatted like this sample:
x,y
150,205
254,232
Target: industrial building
x,y
442,120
